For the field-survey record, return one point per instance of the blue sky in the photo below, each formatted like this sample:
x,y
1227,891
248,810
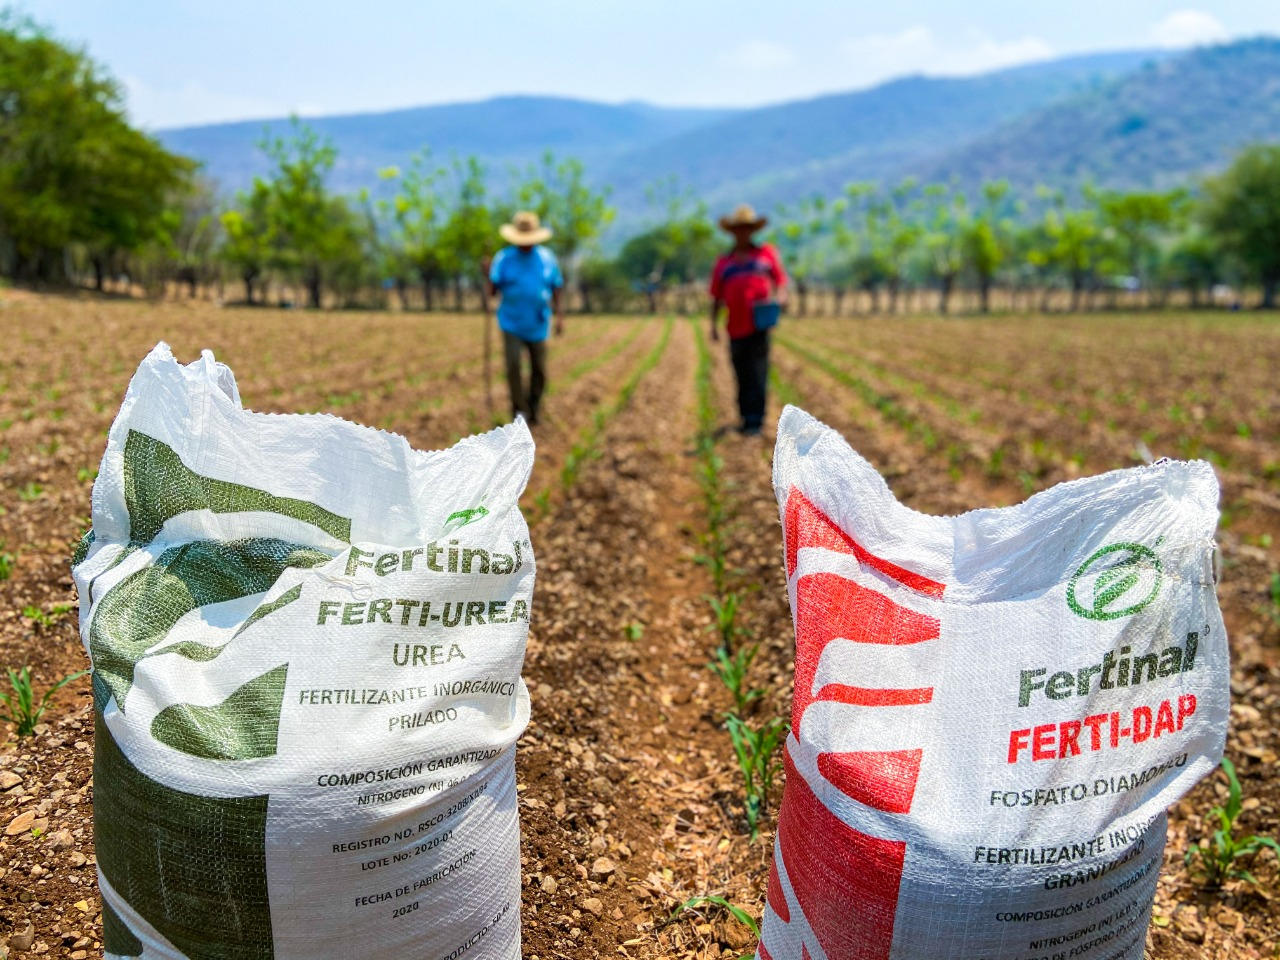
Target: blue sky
x,y
187,62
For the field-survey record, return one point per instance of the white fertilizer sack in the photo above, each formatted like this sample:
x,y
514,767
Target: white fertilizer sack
x,y
992,712
307,641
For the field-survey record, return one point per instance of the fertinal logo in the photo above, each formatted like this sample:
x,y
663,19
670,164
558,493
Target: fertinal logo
x,y
1117,581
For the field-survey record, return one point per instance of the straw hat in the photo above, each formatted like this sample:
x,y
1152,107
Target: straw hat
x,y
744,216
524,230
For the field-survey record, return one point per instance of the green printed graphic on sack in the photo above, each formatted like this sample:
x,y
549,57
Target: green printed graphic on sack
x,y
152,840
1117,581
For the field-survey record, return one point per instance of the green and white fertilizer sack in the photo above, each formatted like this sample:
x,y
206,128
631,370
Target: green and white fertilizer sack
x,y
992,712
307,641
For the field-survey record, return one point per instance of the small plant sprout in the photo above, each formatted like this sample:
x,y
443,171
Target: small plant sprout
x,y
732,670
7,560
693,904
31,492
20,705
1217,858
755,748
43,618
725,609
633,631
1274,595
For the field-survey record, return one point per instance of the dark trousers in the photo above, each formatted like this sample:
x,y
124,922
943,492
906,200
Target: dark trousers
x,y
525,401
750,355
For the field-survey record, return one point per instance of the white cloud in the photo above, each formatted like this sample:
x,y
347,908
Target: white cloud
x,y
918,50
759,55
1189,28
192,104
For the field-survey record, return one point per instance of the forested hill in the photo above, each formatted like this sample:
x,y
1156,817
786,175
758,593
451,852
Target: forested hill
x,y
1132,119
768,154
780,153
1156,127
500,131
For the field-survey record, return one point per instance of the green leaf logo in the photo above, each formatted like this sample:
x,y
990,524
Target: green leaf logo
x,y
463,517
1117,581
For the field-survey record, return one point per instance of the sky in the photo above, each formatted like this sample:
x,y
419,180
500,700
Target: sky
x,y
190,62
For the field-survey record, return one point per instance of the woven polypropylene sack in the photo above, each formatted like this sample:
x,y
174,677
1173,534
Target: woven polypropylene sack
x,y
307,640
992,712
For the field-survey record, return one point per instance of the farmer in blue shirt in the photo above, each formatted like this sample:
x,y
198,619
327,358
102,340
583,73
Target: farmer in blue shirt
x,y
527,277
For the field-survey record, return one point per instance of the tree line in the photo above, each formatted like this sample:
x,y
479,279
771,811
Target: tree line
x,y
85,198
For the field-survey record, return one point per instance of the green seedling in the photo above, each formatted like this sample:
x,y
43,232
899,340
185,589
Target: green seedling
x,y
7,560
735,911
38,616
20,705
732,670
1218,855
755,748
1275,598
30,492
85,474
725,608
633,631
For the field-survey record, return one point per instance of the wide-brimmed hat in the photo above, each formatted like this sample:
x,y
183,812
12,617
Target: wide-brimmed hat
x,y
525,230
744,217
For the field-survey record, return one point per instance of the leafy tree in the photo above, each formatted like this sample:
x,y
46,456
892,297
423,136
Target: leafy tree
x,y
1075,244
73,172
799,238
417,210
1195,264
1241,210
191,234
604,284
986,239
893,230
1136,221
311,230
944,238
469,234
558,192
681,248
249,235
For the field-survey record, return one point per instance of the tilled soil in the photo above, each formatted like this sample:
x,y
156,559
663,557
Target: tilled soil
x,y
630,800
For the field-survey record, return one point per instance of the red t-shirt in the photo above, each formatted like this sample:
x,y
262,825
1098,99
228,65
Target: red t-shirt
x,y
743,281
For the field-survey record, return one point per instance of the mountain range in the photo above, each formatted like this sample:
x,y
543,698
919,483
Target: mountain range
x,y
1127,120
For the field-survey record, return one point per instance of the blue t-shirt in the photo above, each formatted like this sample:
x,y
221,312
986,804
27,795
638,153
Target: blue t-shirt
x,y
526,281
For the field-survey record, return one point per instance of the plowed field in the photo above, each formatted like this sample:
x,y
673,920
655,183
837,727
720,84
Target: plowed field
x,y
631,802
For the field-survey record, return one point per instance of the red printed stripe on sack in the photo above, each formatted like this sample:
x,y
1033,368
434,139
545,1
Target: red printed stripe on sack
x,y
830,607
845,881
807,526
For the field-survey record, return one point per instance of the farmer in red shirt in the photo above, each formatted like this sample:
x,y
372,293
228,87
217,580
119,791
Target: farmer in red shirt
x,y
750,282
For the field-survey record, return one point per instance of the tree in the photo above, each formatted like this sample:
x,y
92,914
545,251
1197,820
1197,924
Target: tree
x,y
191,234
470,232
417,210
73,172
681,247
799,240
1075,244
1136,221
1194,263
310,229
894,228
944,239
248,228
558,192
985,239
1241,210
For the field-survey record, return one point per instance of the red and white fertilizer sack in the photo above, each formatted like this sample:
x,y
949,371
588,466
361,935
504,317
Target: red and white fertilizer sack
x,y
992,712
307,640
